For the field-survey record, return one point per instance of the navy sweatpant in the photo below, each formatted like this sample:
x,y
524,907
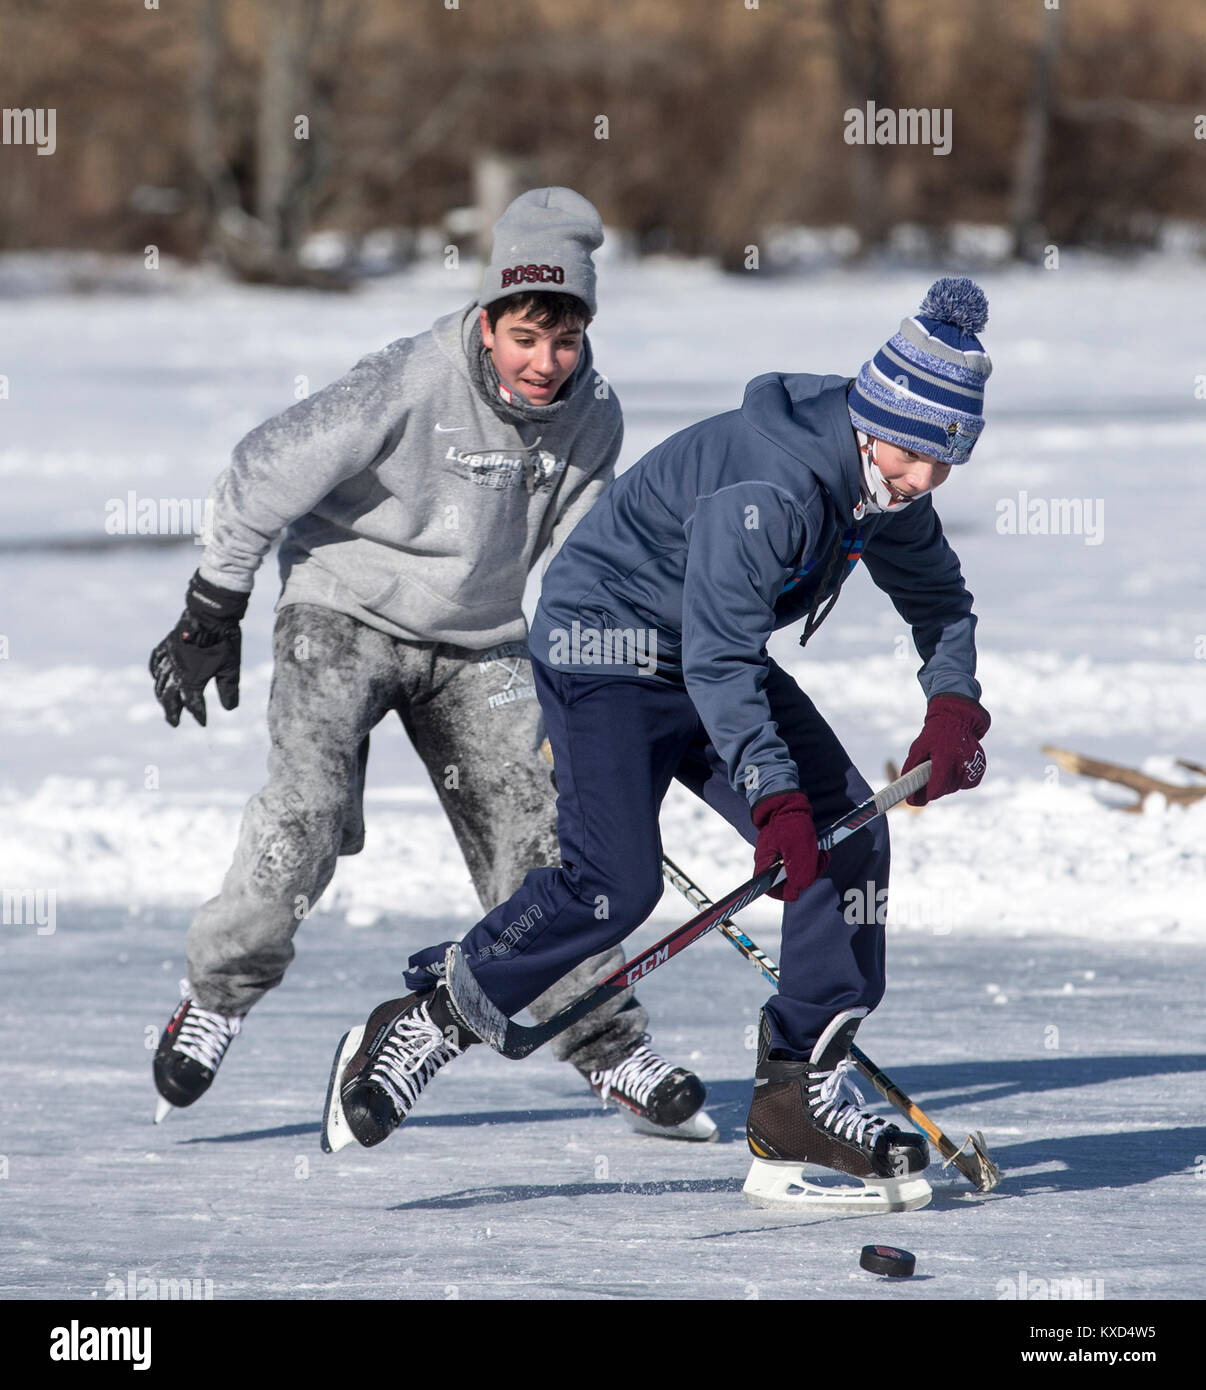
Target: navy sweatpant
x,y
617,742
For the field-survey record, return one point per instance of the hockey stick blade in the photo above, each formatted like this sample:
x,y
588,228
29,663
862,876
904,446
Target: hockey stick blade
x,y
515,1040
977,1166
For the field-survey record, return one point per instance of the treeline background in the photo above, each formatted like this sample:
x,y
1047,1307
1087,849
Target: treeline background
x,y
1079,125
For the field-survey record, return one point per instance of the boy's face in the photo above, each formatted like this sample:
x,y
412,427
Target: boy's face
x,y
907,473
536,362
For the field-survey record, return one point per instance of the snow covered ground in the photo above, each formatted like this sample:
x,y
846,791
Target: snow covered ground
x,y
1046,948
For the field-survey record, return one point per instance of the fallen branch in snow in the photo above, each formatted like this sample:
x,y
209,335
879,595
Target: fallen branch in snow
x,y
1129,777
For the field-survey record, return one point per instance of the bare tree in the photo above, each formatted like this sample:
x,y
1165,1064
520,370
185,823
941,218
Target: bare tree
x,y
294,141
862,53
1027,200
218,186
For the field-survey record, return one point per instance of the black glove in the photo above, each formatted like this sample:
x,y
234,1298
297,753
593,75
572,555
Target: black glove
x,y
205,644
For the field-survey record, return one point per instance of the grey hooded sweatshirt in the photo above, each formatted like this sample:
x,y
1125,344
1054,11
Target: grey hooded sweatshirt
x,y
412,496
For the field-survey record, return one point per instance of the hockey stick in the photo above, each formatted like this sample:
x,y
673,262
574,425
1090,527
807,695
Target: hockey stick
x,y
490,1024
977,1167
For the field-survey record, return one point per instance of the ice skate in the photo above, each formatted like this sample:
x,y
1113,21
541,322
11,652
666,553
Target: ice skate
x,y
190,1052
655,1096
817,1148
384,1065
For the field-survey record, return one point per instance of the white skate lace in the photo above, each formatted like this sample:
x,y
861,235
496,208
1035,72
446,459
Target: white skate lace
x,y
839,1106
636,1076
204,1035
412,1054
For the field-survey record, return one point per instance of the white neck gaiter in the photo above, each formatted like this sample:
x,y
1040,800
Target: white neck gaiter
x,y
877,496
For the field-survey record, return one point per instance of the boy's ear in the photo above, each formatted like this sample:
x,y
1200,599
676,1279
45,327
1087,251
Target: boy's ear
x,y
487,332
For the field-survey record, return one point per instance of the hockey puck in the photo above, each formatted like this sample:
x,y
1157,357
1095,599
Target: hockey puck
x,y
887,1259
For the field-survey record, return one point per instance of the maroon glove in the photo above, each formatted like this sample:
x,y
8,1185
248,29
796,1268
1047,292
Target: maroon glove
x,y
950,738
786,831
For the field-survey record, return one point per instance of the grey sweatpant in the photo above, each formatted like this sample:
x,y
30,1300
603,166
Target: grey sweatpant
x,y
334,680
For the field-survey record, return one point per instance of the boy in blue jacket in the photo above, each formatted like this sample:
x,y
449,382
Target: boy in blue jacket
x,y
650,662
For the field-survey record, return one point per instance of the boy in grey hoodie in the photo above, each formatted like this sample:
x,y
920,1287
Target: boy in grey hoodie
x,y
412,496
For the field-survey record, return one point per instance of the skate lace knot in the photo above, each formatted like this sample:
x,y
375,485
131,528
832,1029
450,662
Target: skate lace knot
x,y
839,1105
635,1077
204,1035
412,1054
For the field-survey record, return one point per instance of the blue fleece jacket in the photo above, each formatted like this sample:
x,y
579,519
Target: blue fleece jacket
x,y
726,532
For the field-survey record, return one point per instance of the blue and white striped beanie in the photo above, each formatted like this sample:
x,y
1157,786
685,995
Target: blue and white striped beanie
x,y
924,389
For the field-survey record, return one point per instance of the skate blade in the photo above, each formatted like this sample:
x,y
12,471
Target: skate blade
x,y
163,1108
783,1185
335,1132
698,1128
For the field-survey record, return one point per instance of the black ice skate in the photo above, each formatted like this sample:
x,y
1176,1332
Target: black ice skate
x,y
811,1113
190,1052
655,1097
383,1066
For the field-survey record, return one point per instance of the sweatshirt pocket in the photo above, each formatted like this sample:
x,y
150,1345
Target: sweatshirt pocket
x,y
371,580
379,601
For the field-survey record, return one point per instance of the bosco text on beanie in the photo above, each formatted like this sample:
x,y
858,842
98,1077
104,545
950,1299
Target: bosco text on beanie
x,y
543,242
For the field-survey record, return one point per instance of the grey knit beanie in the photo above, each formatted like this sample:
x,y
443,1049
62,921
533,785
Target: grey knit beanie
x,y
543,243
